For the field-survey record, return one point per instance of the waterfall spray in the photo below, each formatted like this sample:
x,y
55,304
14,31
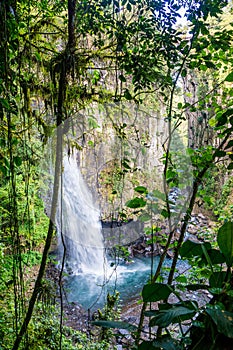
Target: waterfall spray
x,y
78,220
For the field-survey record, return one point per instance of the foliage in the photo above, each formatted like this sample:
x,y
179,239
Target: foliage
x,y
58,57
44,333
215,316
105,317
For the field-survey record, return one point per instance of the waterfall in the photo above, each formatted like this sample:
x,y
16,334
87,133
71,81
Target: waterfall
x,y
78,219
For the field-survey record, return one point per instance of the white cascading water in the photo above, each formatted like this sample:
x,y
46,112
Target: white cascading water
x,y
79,221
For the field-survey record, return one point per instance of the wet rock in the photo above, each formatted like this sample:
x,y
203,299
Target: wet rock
x,y
201,216
192,229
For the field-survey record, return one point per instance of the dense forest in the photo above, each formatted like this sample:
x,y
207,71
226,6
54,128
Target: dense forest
x,y
140,92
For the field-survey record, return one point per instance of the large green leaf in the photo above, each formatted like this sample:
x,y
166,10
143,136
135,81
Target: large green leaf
x,y
175,314
225,241
156,292
115,324
216,256
223,320
190,249
217,278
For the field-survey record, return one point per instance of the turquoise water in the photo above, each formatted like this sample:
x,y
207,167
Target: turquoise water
x,y
90,290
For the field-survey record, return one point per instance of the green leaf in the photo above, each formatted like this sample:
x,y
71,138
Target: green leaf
x,y
164,213
225,241
17,161
230,166
229,77
176,314
231,120
126,165
141,189
129,7
122,78
4,103
3,169
127,95
210,64
221,120
216,256
136,203
90,143
230,144
92,123
223,320
170,175
217,278
115,324
228,112
220,153
190,249
156,292
184,73
38,56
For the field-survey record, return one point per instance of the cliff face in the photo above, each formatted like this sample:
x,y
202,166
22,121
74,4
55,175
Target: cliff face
x,y
121,150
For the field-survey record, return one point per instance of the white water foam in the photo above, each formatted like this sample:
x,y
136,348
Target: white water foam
x,y
78,220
